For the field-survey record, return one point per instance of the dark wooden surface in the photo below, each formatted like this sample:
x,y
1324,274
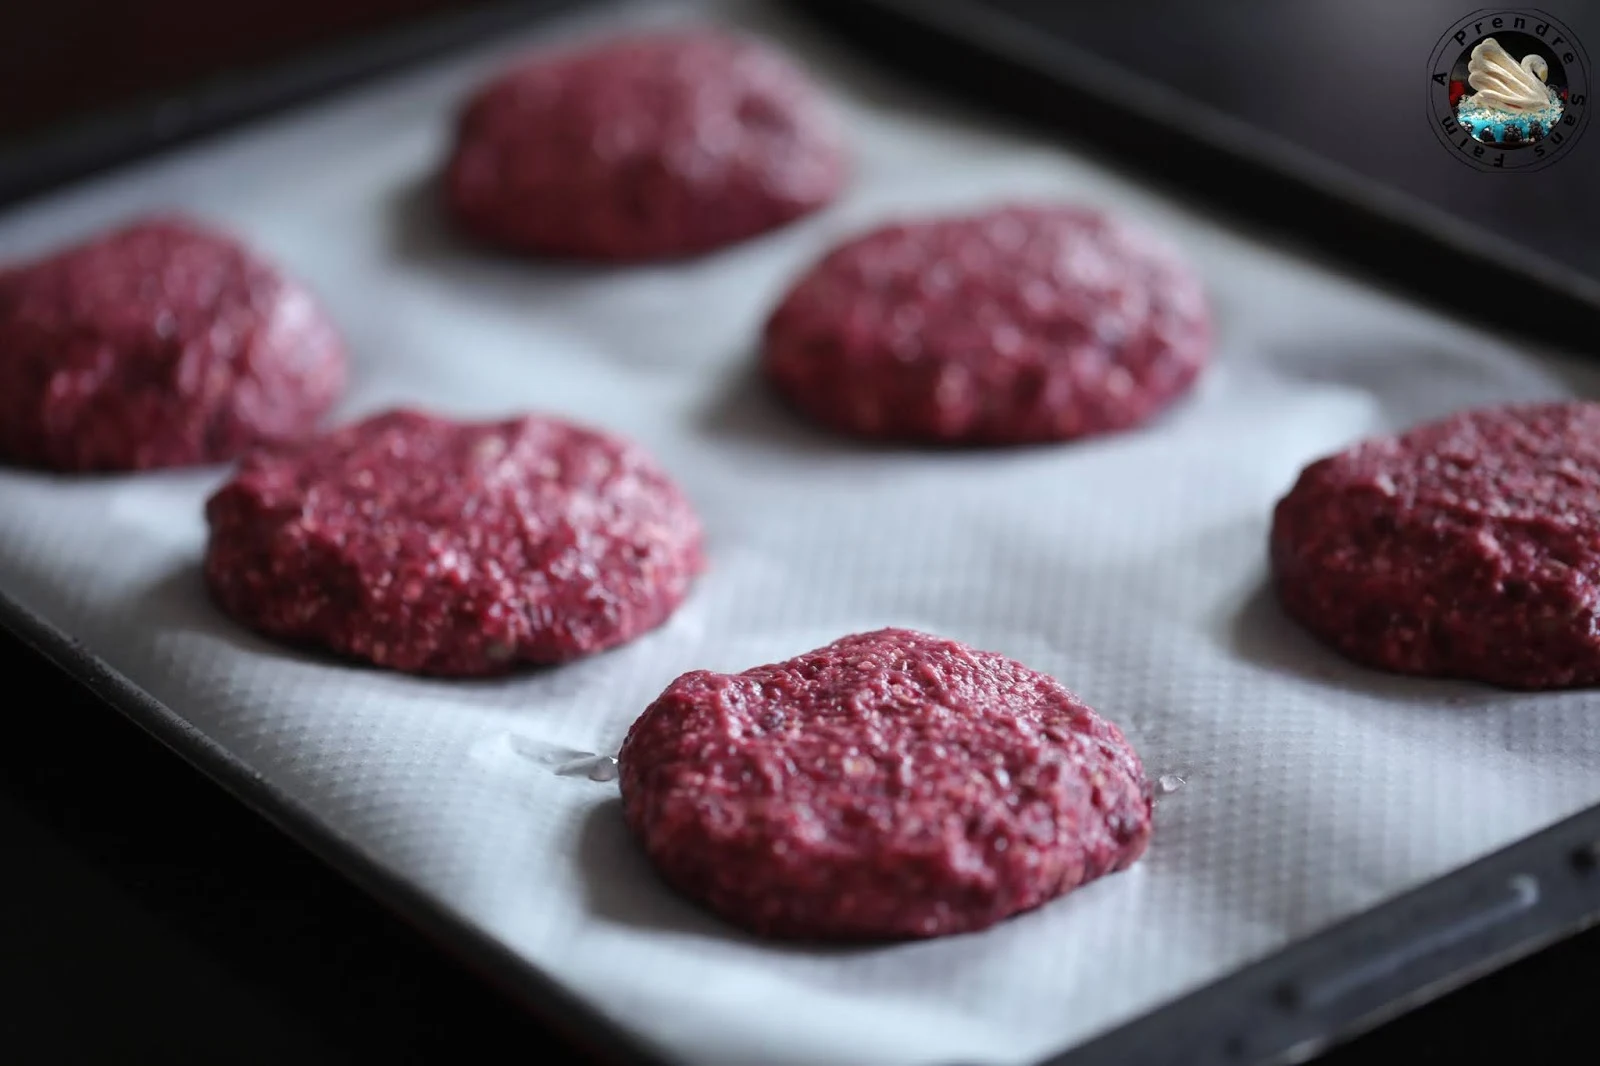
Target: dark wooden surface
x,y
145,916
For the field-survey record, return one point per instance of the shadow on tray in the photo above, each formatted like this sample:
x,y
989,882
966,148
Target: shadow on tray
x,y
179,602
746,412
623,888
421,234
1263,634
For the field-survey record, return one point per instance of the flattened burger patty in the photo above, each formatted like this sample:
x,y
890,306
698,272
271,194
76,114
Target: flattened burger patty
x,y
1468,547
162,343
1018,325
644,147
890,785
440,547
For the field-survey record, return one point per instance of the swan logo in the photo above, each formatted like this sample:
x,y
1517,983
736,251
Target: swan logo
x,y
1508,90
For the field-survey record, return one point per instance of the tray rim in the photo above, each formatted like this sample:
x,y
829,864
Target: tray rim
x,y
570,1016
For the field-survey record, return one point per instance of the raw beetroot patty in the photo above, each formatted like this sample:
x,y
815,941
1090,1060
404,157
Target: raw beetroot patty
x,y
162,343
643,147
890,785
1468,547
450,548
1017,325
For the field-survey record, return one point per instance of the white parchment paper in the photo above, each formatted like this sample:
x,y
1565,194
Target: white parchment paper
x,y
1132,568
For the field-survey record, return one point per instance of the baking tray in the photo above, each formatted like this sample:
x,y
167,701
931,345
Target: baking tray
x,y
1281,1008
994,53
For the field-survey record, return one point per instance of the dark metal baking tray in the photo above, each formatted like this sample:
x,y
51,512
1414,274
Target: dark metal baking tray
x,y
1285,1008
1134,83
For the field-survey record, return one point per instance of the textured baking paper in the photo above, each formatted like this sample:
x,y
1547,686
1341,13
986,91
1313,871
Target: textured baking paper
x,y
1131,568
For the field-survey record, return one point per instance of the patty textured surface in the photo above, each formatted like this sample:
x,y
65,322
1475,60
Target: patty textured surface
x,y
891,785
1021,324
440,547
1468,547
162,343
650,146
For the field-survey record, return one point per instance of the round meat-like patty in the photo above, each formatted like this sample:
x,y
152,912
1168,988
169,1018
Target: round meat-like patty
x,y
1468,548
890,785
1018,325
649,146
162,343
455,549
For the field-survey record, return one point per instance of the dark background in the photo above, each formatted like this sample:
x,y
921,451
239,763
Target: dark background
x,y
1348,80
146,916
63,59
